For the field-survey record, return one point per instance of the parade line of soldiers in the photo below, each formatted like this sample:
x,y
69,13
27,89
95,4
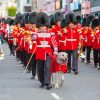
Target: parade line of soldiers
x,y
35,37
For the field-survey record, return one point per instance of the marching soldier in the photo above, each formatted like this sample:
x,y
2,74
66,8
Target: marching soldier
x,y
96,42
89,39
84,36
72,42
32,45
45,42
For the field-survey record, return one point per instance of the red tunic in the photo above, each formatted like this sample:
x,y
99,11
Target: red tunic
x,y
89,38
96,42
46,44
72,40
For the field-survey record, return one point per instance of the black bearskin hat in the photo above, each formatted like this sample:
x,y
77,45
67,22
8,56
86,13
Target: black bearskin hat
x,y
32,17
99,18
4,20
70,18
89,19
42,19
52,20
95,22
58,16
11,22
8,20
19,17
16,21
25,18
63,23
84,22
78,19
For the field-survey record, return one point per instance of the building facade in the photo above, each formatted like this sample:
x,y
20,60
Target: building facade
x,y
85,7
24,6
95,7
50,6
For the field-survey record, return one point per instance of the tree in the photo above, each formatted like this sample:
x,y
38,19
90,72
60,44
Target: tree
x,y
12,11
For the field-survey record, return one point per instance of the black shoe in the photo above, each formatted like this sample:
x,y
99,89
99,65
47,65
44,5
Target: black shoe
x,y
33,77
69,71
98,68
17,59
87,62
28,71
42,85
48,87
76,72
82,60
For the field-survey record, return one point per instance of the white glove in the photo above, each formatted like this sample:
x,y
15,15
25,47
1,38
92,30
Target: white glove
x,y
30,46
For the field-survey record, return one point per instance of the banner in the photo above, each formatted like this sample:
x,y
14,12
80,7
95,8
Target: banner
x,y
85,7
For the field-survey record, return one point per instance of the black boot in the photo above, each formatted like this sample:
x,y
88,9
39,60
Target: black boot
x,y
48,87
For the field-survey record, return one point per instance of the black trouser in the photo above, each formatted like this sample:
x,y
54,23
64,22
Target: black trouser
x,y
74,60
88,53
44,70
17,53
84,48
32,64
25,58
96,55
12,48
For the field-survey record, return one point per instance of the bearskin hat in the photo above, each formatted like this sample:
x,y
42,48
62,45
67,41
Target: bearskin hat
x,y
25,18
16,21
78,19
95,22
8,20
19,17
70,18
58,16
89,19
32,17
52,20
63,23
99,18
84,22
42,19
11,22
4,20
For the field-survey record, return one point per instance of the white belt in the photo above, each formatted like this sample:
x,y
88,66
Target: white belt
x,y
70,39
34,42
43,45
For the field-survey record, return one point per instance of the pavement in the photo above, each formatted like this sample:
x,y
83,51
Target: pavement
x,y
14,85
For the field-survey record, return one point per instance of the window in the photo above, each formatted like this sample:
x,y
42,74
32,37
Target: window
x,y
27,9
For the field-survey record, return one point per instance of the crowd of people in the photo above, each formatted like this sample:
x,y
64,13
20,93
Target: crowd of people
x,y
35,37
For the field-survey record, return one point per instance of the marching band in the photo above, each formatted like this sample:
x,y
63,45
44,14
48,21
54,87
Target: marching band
x,y
35,37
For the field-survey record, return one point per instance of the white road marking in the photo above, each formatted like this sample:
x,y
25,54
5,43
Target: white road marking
x,y
55,96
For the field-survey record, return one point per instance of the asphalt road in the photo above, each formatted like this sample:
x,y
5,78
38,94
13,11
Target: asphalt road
x,y
14,85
